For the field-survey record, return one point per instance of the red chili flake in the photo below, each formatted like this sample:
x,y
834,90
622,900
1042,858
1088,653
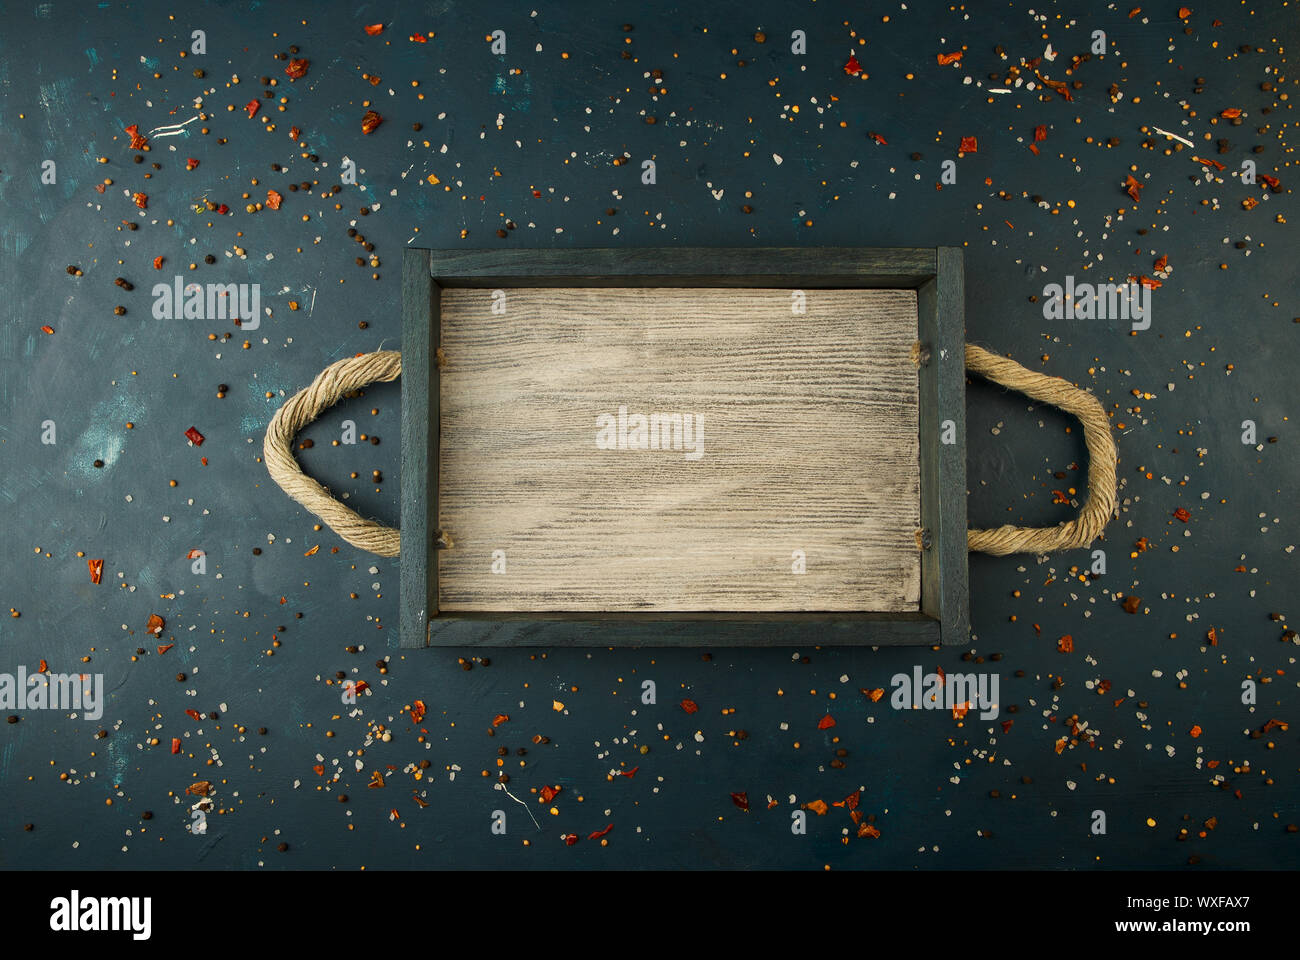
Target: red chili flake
x,y
548,793
867,830
826,722
176,744
1232,113
370,121
297,69
141,200
499,719
969,145
273,199
1058,496
193,714
252,107
1065,644
1161,263
196,438
570,839
877,137
222,210
1059,86
629,773
203,460
318,769
1149,282
600,833
1131,605
1006,725
47,329
874,695
1184,13
1040,133
45,667
853,68
1212,636
818,807
191,163
163,648
959,710
419,38
96,570
689,706
851,801
741,800
157,263
294,133
374,29
138,140
1133,188
1181,514
155,625
99,188
361,686
417,711
1195,731
947,58
1273,182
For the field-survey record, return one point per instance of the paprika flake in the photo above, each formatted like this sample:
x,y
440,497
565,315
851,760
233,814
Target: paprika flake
x,y
548,793
1040,133
252,107
690,706
499,719
968,145
371,121
194,436
193,714
96,570
274,199
157,263
176,745
947,58
374,29
297,69
826,722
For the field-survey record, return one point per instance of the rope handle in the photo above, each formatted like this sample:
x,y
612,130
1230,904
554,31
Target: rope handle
x,y
353,373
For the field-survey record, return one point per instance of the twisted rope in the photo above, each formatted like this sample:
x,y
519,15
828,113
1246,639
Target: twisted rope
x,y
353,373
302,408
1100,502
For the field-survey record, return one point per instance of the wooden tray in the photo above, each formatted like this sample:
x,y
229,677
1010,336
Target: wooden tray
x,y
683,447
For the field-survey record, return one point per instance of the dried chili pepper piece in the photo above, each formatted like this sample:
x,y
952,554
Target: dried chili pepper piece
x,y
138,140
1132,603
176,744
867,830
417,711
968,145
193,714
690,706
1065,644
1232,113
818,807
1181,514
419,38
45,668
570,839
163,648
877,137
370,121
96,570
191,163
297,69
600,833
852,67
155,625
741,800
947,58
1040,133
294,133
629,773
548,793
374,29
199,788
252,107
157,263
194,436
826,722
1133,188
141,200
499,719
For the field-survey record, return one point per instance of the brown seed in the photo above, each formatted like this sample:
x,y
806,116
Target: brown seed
x,y
99,464
257,551
180,678
760,37
282,846
119,310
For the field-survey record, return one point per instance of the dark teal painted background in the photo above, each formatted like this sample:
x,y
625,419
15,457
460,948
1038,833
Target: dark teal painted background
x,y
928,780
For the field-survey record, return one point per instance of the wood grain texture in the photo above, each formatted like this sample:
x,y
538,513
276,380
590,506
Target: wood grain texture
x,y
809,443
